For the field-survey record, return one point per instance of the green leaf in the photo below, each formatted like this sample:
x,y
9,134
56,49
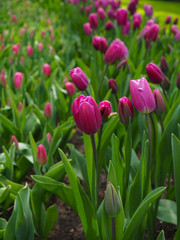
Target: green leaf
x,y
84,67
10,126
4,193
9,168
161,236
140,213
3,224
34,152
84,206
51,219
167,211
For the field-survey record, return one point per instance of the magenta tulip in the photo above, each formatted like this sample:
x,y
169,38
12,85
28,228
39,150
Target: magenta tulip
x,y
49,138
70,88
47,110
142,96
93,20
100,43
178,81
153,32
125,110
148,10
86,114
101,13
46,69
79,78
160,105
18,79
126,28
29,51
113,85
41,155
154,73
87,29
121,17
14,140
40,46
164,64
109,25
105,108
168,19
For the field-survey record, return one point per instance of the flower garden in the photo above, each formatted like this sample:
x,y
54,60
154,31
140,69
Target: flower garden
x,y
89,120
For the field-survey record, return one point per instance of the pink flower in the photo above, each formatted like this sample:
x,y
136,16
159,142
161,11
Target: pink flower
x,y
18,76
70,88
29,51
125,110
121,17
46,69
49,138
105,108
109,25
93,20
126,28
41,155
87,29
100,43
101,13
47,110
79,78
154,73
160,105
40,45
14,140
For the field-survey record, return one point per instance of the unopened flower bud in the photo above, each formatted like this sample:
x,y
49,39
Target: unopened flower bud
x,y
14,140
176,21
121,17
160,106
100,43
29,51
40,46
125,110
154,73
70,88
178,81
109,25
46,69
112,201
93,20
41,155
79,78
113,85
18,79
168,20
87,29
20,106
101,13
105,108
47,110
49,138
164,64
166,83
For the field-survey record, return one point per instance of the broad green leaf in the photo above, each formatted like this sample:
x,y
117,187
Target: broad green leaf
x,y
3,224
161,236
10,126
167,211
4,193
51,219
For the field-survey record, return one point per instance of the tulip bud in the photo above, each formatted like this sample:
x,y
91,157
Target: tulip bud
x,y
116,51
126,28
112,201
111,13
40,45
153,32
113,85
20,106
160,106
164,64
176,21
18,79
49,138
86,114
109,25
15,49
3,78
132,7
46,69
150,22
70,88
87,29
101,13
29,50
105,108
148,10
174,29
142,96
79,78
177,36
47,110
166,83
121,17
41,155
115,4
125,110
154,73
168,20
93,20
178,81
136,23
100,43
14,140
88,9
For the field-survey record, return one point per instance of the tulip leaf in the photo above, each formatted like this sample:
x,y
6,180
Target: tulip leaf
x,y
3,224
51,219
4,193
83,67
161,236
140,213
10,126
83,204
167,211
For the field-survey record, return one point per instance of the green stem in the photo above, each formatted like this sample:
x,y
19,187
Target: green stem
x,y
102,78
116,98
150,140
70,105
113,228
96,168
164,91
161,122
100,135
87,92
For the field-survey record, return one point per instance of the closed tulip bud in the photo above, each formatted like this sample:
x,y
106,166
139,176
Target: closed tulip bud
x,y
29,51
178,81
142,96
40,46
20,106
18,79
168,20
49,138
88,9
70,88
136,23
148,10
22,60
116,51
101,13
153,32
15,49
87,29
126,28
115,4
122,17
14,140
11,60
150,22
100,43
3,78
132,7
46,69
176,21
166,83
137,16
177,36
112,201
79,78
113,85
105,108
154,73
164,64
47,110
109,25
160,106
174,29
22,31
125,110
122,64
93,20
86,114
41,155
111,13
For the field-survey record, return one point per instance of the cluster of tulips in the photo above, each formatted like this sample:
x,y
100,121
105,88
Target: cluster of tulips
x,y
112,73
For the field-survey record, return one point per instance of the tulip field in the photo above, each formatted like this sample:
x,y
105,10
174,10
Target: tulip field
x,y
89,120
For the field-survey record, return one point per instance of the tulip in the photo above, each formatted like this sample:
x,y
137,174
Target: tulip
x,y
88,9
111,13
160,105
176,21
93,20
126,28
109,25
174,29
105,108
29,50
116,51
113,85
177,36
49,138
125,110
168,20
70,88
148,10
47,110
165,83
132,7
101,13
11,59
20,106
41,155
115,4
100,43
142,96
150,22
86,114
87,29
40,46
3,78
22,31
46,69
15,49
178,81
121,17
154,73
136,23
164,64
122,64
14,140
79,78
22,60
153,32
112,201
18,79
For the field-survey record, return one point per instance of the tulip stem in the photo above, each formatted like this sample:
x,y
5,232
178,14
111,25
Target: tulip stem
x,y
164,91
150,139
102,78
113,228
96,164
161,122
87,92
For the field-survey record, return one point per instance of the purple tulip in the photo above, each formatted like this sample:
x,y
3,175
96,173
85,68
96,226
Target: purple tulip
x,y
46,69
100,43
164,64
148,10
86,114
160,105
41,155
125,110
153,32
142,96
126,28
176,21
47,110
79,78
18,79
29,51
87,29
109,25
111,13
93,20
70,88
115,4
101,13
154,73
150,22
122,64
177,36
174,29
168,19
105,108
113,85
178,81
116,51
14,140
132,7
121,17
